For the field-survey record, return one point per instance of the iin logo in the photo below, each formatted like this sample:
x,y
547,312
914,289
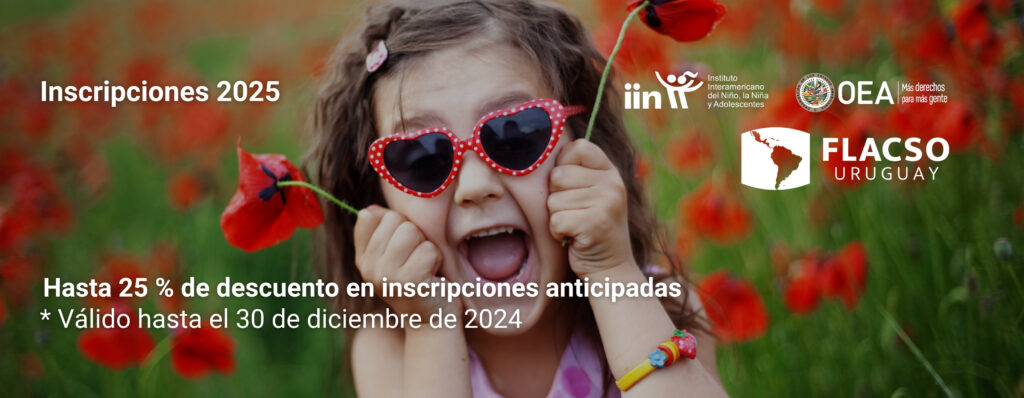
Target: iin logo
x,y
676,86
815,92
775,158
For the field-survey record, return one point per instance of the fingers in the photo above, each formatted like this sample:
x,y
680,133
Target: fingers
x,y
582,164
572,199
388,245
562,225
366,224
573,176
587,202
423,263
584,153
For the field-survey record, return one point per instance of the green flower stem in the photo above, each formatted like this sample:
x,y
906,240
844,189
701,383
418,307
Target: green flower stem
x,y
162,349
608,67
917,352
323,193
604,77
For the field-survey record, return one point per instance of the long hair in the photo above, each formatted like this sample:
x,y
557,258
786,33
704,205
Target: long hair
x,y
552,38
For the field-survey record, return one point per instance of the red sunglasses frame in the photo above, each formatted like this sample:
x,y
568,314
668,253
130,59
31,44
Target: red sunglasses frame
x,y
555,110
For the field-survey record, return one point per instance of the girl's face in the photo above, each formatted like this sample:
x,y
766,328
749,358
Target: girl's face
x,y
488,225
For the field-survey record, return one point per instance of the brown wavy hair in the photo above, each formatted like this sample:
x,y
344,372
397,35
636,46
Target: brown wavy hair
x,y
552,38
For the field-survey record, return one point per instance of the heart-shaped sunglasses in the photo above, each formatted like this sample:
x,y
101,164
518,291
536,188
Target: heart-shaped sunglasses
x,y
513,141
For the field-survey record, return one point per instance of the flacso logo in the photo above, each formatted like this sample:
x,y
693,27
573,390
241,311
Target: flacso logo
x,y
775,158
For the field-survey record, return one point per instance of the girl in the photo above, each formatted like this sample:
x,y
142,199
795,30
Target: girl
x,y
480,105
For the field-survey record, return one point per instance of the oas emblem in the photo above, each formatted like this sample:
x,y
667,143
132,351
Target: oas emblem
x,y
815,92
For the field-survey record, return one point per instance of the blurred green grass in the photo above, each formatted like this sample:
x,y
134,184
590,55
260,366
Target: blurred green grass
x,y
930,246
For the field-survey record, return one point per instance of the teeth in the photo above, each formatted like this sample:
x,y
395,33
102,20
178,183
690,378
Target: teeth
x,y
492,231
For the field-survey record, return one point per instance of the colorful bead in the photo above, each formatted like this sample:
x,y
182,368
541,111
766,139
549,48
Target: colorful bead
x,y
657,358
687,345
671,350
667,353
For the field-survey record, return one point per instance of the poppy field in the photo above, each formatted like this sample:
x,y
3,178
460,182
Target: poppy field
x,y
880,288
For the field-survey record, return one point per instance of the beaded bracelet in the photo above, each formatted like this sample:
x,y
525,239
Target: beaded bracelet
x,y
667,353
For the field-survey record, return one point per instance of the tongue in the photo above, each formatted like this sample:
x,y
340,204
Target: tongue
x,y
497,257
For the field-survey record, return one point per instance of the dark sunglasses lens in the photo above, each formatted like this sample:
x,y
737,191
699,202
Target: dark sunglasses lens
x,y
516,141
422,164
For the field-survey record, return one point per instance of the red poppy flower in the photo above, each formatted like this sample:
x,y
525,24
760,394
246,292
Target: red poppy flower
x,y
803,292
643,167
970,18
37,204
37,118
842,275
801,295
742,21
116,348
198,128
184,190
797,38
682,20
734,306
17,275
956,123
930,43
714,214
197,352
690,153
261,214
845,274
1018,216
116,267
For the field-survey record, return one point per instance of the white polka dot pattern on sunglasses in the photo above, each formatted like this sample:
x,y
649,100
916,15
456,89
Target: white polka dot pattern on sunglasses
x,y
555,111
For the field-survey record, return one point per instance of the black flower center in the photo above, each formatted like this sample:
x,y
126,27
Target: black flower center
x,y
268,192
650,16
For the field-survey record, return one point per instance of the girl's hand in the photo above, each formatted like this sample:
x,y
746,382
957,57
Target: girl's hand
x,y
587,203
388,245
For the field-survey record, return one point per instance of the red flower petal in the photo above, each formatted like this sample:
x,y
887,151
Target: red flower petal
x,y
252,223
197,352
17,277
690,153
682,20
184,190
734,306
116,348
715,215
801,295
847,274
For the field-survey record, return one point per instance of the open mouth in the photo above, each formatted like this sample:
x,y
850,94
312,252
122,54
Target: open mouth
x,y
497,254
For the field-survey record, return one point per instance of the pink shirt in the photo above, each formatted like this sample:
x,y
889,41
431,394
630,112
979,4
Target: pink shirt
x,y
579,373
